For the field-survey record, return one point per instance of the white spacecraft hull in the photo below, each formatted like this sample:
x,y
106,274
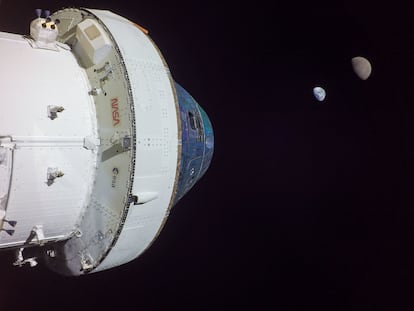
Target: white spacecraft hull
x,y
33,80
90,141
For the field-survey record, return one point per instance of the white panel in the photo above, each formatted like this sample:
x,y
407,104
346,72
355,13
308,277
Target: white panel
x,y
157,137
93,40
141,227
56,207
32,81
6,165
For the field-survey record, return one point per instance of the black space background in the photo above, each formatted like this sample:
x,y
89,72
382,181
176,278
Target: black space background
x,y
306,205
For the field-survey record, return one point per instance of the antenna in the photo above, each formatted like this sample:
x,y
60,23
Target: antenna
x,y
47,13
8,231
38,13
11,222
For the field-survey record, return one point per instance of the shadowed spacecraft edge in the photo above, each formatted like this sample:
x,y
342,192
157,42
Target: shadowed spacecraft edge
x,y
97,141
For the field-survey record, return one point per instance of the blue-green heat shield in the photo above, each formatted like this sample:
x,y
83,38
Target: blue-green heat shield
x,y
197,142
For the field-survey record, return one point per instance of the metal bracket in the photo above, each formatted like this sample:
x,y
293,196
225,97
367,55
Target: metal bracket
x,y
6,142
95,91
86,262
52,111
108,76
107,68
120,147
91,143
52,174
20,260
37,235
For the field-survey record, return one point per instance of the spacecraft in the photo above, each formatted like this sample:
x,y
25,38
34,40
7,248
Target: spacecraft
x,y
97,141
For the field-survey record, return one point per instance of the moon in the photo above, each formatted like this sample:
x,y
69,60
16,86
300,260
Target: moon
x,y
362,67
319,93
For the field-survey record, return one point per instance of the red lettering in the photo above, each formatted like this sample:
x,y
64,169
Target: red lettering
x,y
115,111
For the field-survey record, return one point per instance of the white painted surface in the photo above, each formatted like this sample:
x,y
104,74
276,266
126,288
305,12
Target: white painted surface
x,y
157,138
31,80
6,165
93,42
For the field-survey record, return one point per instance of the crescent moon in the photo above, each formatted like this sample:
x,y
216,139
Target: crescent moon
x,y
362,67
